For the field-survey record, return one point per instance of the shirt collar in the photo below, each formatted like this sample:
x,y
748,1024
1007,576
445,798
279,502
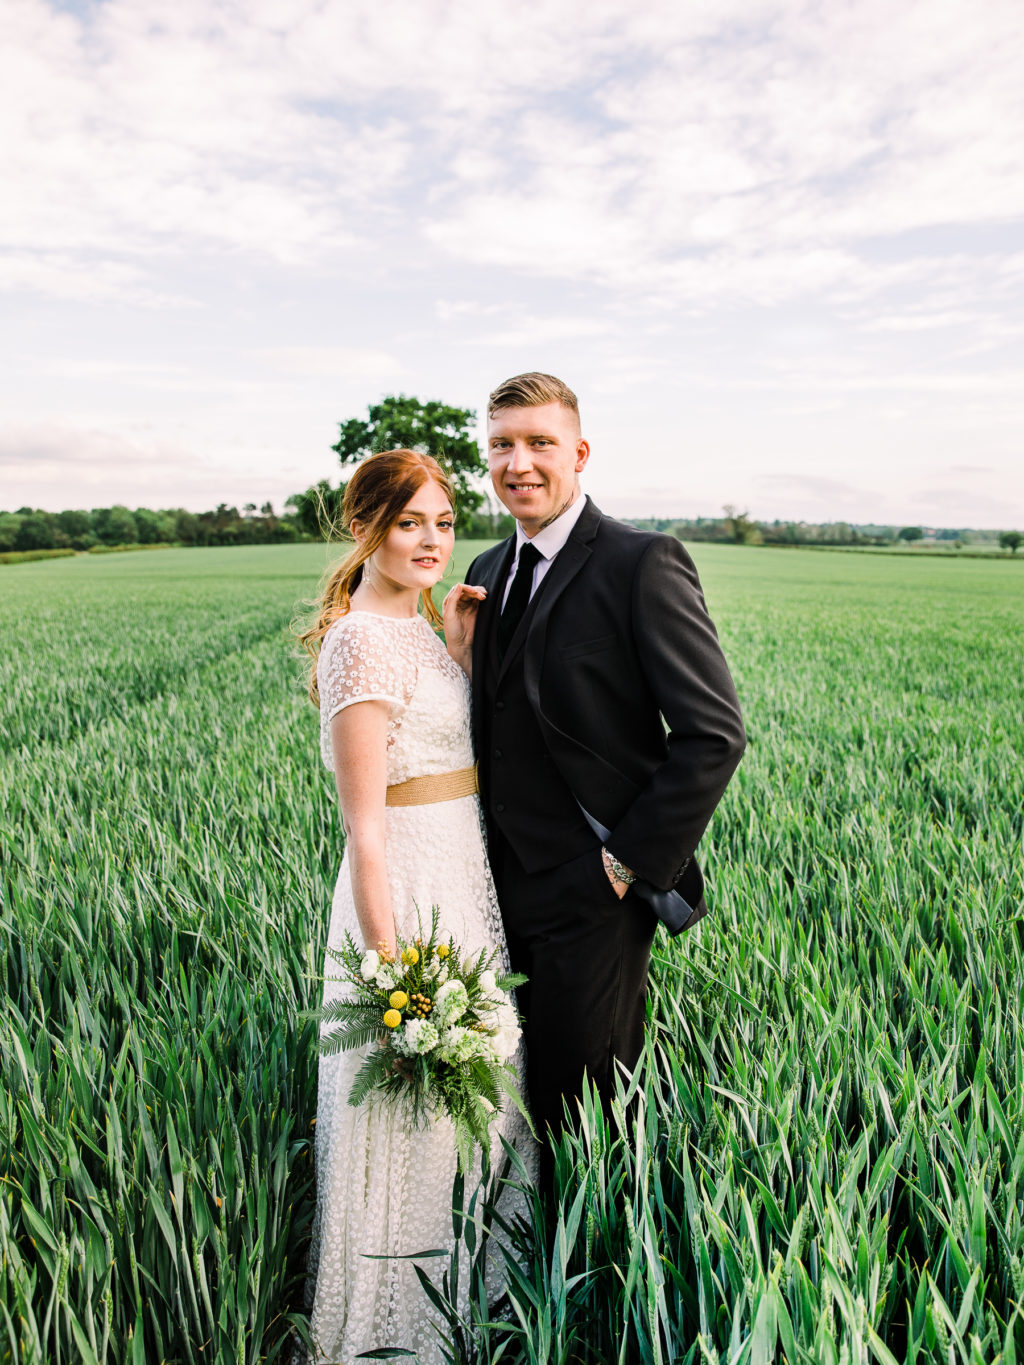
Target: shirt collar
x,y
553,537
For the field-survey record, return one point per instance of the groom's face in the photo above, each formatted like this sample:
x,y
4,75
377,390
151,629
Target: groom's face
x,y
534,455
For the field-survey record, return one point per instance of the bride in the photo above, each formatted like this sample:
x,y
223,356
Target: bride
x,y
394,729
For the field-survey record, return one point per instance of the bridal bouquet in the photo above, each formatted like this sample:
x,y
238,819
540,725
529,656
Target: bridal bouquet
x,y
444,1028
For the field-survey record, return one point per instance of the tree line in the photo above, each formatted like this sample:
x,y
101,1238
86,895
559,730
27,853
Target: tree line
x,y
400,420
740,528
30,528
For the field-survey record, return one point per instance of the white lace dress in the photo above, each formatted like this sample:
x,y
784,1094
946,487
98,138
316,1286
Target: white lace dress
x,y
384,1187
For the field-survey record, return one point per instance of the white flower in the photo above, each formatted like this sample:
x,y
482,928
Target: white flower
x,y
504,1044
370,964
431,970
427,1036
385,980
461,1045
505,1037
415,1036
450,1003
488,982
486,1105
488,1050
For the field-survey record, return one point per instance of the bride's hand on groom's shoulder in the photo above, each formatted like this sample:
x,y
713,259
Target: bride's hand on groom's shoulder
x,y
459,611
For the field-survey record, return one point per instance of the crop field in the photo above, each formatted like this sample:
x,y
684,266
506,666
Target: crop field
x,y
824,1160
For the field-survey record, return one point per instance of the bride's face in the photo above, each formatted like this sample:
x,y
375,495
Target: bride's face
x,y
416,551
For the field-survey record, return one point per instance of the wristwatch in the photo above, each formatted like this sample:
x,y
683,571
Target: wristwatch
x,y
619,871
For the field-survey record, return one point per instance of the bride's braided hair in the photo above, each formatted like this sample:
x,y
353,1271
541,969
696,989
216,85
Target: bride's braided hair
x,y
376,495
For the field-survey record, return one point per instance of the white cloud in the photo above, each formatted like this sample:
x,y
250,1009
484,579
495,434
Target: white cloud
x,y
79,279
347,363
804,210
61,464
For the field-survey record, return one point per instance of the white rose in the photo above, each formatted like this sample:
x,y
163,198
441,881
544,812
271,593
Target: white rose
x,y
506,1035
488,981
505,1042
370,965
385,980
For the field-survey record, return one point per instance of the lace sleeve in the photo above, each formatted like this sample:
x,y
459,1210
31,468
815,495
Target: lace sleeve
x,y
358,662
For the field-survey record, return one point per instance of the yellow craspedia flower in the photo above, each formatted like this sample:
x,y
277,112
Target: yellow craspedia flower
x,y
398,1000
392,1018
443,950
410,957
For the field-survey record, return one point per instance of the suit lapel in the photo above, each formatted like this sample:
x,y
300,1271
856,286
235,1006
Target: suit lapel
x,y
493,579
568,562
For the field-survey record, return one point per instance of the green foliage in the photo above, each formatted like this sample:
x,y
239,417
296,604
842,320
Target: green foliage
x,y
117,527
911,533
317,511
26,556
434,428
164,833
740,527
824,1158
1010,540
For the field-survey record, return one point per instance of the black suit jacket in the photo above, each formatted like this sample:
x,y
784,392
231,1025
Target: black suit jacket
x,y
629,685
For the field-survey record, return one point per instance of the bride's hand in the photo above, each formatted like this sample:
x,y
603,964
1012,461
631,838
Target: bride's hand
x,y
459,611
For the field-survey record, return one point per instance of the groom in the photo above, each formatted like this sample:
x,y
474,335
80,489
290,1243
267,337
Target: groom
x,y
607,727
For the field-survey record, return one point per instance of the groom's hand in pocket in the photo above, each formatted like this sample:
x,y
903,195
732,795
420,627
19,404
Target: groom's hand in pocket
x,y
619,886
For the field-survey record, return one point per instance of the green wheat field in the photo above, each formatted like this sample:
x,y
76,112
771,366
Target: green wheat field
x,y
824,1160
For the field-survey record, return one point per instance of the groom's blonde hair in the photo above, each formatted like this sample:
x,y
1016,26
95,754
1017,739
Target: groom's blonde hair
x,y
530,391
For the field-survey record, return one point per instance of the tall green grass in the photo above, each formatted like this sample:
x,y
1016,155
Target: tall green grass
x,y
823,1158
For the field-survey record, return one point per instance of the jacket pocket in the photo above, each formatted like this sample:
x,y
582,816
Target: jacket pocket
x,y
579,647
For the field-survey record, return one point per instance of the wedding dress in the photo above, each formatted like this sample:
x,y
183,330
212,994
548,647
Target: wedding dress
x,y
383,1186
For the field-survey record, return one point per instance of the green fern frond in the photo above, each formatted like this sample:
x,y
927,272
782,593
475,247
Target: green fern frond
x,y
508,981
370,1076
350,1038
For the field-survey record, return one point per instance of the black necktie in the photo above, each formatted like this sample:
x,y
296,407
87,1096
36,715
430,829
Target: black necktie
x,y
518,597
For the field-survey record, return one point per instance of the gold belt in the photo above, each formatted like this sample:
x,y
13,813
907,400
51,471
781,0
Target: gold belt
x,y
424,791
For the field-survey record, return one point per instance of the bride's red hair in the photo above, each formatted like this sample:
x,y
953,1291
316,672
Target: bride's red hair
x,y
375,496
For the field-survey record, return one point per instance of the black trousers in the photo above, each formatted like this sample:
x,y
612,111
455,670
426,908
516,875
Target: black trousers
x,y
586,954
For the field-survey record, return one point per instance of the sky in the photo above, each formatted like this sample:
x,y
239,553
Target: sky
x,y
775,248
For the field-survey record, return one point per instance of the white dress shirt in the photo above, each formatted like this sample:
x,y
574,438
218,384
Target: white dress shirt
x,y
547,543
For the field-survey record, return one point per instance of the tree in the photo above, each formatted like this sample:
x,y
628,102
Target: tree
x,y
1009,540
10,525
186,526
38,531
115,525
318,509
910,533
77,527
434,428
154,527
742,530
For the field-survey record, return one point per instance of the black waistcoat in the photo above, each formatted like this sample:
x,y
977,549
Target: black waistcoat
x,y
524,795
